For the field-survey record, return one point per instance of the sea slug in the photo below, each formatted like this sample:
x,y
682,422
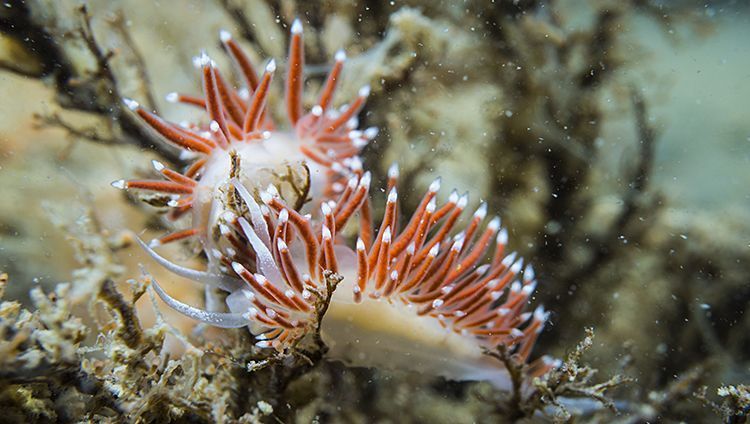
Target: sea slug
x,y
269,207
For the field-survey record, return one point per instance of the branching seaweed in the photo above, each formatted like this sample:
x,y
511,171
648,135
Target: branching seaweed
x,y
571,380
61,38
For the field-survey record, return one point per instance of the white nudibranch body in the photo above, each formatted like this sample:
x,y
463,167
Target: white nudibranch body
x,y
273,160
269,207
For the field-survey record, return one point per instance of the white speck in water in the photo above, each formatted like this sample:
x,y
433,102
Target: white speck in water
x,y
265,407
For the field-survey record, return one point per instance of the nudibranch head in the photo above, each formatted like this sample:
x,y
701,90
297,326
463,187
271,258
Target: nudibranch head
x,y
425,293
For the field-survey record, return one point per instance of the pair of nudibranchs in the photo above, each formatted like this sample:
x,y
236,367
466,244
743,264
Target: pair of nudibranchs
x,y
270,208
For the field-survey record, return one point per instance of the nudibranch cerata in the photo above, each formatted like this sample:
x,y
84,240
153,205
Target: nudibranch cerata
x,y
269,207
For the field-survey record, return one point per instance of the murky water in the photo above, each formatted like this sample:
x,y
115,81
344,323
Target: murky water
x,y
612,139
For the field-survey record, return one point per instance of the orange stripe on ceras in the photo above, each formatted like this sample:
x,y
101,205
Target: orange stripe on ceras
x,y
499,255
345,116
362,271
262,315
281,319
329,255
442,233
294,78
387,223
343,199
365,223
160,186
443,211
213,105
289,269
449,302
279,233
480,299
241,246
458,294
193,169
177,212
437,277
383,260
495,273
528,343
193,136
407,235
354,203
306,232
514,300
174,136
469,231
316,156
490,332
408,264
476,253
184,201
473,304
241,59
285,301
342,152
424,228
178,178
330,86
267,290
191,100
478,302
271,334
255,111
392,281
486,317
437,293
419,275
179,235
468,295
234,109
403,267
330,222
235,130
333,138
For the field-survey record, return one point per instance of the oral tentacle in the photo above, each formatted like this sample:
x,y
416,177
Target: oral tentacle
x,y
217,319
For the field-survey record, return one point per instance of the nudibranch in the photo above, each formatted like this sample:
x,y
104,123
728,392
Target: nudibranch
x,y
269,208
